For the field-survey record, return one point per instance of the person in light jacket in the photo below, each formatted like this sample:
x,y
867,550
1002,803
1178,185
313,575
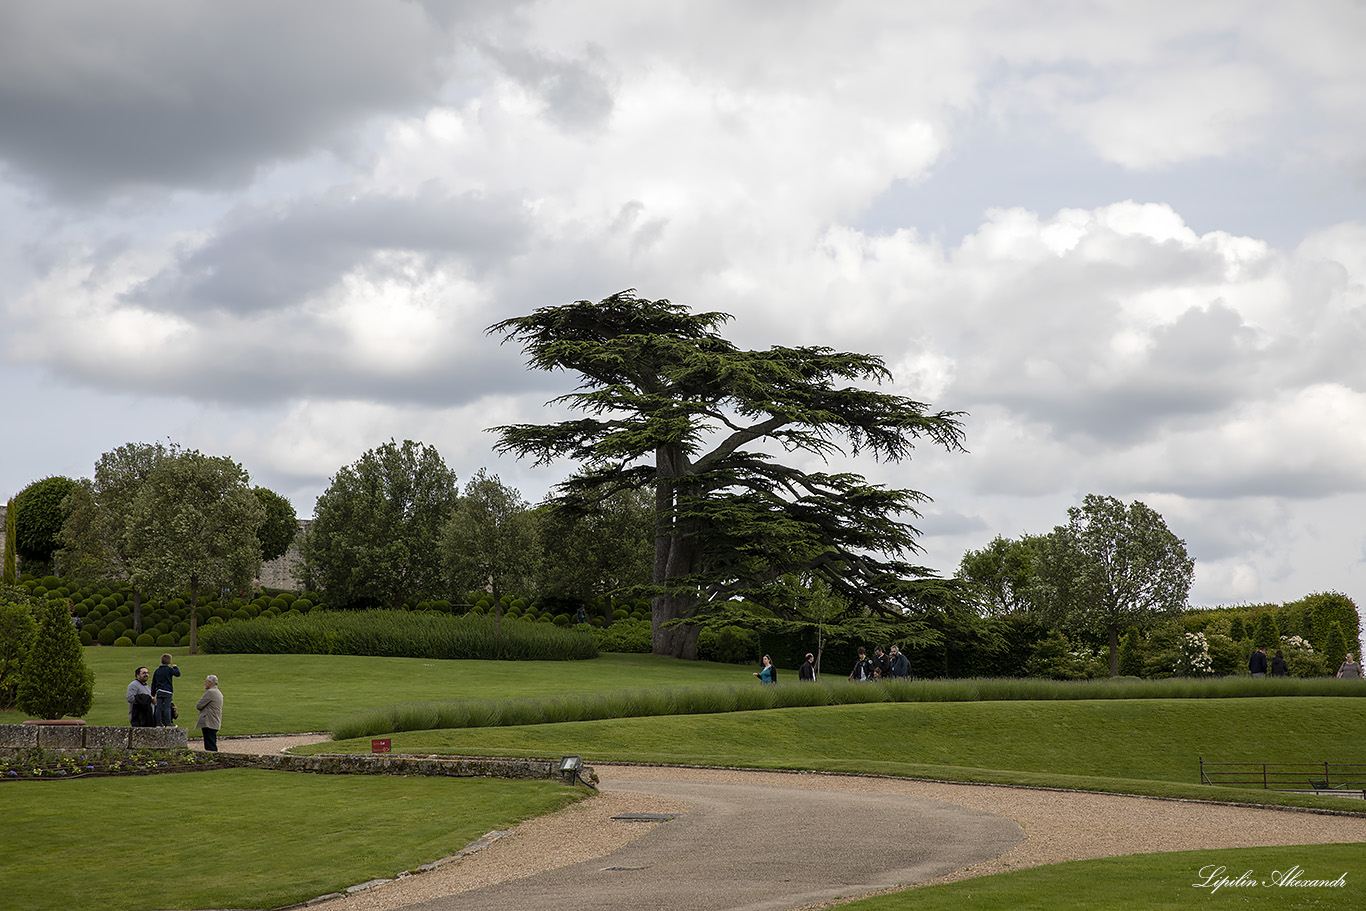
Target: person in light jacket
x,y
210,707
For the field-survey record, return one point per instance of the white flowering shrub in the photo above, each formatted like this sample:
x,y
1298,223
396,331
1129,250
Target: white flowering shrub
x,y
1193,658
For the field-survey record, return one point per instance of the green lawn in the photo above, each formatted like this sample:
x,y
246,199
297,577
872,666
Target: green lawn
x,y
1135,746
295,693
1154,882
238,838
246,838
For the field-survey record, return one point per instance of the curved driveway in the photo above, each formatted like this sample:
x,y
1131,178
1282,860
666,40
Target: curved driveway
x,y
761,840
758,846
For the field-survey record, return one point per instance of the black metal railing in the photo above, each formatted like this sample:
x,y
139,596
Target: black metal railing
x,y
1287,776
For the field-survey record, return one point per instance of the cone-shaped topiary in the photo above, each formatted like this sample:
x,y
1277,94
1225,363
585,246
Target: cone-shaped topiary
x,y
54,680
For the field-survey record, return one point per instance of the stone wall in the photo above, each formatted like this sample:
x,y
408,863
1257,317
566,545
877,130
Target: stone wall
x,y
19,737
368,764
283,572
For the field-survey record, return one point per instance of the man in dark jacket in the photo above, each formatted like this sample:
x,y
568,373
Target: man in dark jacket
x,y
898,665
807,672
1257,663
878,664
862,668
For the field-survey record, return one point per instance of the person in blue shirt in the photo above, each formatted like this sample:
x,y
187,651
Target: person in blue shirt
x,y
769,673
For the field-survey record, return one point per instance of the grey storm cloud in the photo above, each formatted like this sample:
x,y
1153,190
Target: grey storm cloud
x,y
278,258
98,97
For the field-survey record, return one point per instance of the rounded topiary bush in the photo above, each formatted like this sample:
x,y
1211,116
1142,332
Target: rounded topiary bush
x,y
165,640
146,640
86,638
123,642
107,636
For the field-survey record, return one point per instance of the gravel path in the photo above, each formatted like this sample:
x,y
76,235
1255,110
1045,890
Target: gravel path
x,y
764,840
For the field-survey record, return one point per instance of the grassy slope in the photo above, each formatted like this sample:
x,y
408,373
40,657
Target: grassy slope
x,y
1144,746
1065,744
294,693
194,841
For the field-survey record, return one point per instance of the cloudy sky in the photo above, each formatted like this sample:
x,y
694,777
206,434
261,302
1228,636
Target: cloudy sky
x,y
1128,239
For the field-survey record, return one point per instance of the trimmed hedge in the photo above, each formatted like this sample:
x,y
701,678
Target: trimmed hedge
x,y
397,634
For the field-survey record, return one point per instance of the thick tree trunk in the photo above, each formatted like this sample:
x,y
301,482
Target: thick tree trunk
x,y
670,562
674,642
137,612
1114,650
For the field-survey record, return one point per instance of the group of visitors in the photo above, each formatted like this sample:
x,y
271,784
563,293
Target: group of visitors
x,y
891,665
1257,665
151,702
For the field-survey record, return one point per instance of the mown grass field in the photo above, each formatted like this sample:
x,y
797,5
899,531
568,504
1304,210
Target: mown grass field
x,y
238,838
1147,746
298,836
296,693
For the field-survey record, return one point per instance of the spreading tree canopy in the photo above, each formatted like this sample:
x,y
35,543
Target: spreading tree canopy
x,y
39,517
377,528
1001,574
490,540
673,407
592,554
193,523
1111,568
281,525
96,540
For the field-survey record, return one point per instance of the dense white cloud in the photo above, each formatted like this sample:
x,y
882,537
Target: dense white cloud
x,y
291,226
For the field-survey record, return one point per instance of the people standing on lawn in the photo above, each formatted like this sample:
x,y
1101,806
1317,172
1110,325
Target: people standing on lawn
x,y
1279,668
879,663
210,707
1349,669
163,691
863,669
807,671
140,700
898,665
1257,663
769,673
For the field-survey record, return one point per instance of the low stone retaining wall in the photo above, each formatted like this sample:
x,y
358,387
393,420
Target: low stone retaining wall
x,y
22,737
363,764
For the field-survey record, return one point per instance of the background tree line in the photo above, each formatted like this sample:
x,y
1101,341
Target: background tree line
x,y
688,492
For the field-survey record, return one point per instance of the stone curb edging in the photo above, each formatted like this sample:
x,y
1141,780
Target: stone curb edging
x,y
473,847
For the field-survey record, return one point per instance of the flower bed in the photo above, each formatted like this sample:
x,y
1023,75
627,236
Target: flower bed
x,y
48,765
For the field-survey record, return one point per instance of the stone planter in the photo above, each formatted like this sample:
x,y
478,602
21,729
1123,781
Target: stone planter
x,y
59,733
75,734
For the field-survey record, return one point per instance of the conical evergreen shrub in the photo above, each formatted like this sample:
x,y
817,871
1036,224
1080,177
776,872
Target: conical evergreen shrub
x,y
54,681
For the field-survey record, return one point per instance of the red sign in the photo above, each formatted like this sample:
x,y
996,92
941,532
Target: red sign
x,y
379,745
